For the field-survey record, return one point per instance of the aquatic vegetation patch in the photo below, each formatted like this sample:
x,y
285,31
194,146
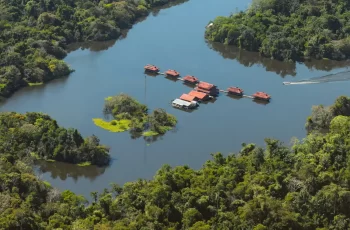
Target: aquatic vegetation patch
x,y
87,163
35,84
128,113
149,133
115,126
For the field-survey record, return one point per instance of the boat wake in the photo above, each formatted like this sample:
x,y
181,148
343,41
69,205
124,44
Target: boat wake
x,y
335,77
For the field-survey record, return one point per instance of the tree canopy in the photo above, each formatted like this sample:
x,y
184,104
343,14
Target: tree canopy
x,y
37,135
34,34
129,114
288,29
305,186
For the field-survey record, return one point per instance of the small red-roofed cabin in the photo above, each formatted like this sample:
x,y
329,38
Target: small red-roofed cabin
x,y
235,91
199,96
262,96
172,73
187,97
151,68
207,88
190,79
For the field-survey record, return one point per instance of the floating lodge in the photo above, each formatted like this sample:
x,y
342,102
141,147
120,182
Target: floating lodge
x,y
203,91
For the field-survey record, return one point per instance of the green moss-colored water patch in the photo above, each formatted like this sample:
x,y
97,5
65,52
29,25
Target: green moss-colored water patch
x,y
50,160
115,126
35,155
35,84
150,133
87,163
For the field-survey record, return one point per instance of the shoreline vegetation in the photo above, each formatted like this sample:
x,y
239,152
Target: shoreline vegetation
x,y
38,136
131,115
288,30
35,35
304,187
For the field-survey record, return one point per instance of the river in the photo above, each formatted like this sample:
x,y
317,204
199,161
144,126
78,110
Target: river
x,y
174,39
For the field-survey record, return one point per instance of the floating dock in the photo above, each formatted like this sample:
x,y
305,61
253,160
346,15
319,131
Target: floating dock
x,y
176,76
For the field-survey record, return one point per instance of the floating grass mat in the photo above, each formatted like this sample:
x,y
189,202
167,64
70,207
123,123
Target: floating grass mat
x,y
115,126
35,84
87,163
150,133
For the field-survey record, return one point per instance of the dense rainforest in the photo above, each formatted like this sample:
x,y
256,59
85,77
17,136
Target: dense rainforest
x,y
37,135
288,29
34,34
305,186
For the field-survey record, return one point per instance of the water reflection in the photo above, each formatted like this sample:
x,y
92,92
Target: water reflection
x,y
283,69
260,102
64,170
234,97
105,45
92,46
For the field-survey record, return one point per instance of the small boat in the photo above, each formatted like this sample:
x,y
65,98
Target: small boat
x,y
235,91
181,104
151,68
261,96
191,80
172,73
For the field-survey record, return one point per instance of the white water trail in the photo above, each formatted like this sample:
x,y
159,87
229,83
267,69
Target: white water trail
x,y
334,77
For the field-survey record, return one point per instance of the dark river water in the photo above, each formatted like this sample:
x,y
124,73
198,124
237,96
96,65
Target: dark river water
x,y
174,38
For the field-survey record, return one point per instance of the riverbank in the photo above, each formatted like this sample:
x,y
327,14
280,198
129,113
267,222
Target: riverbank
x,y
275,177
220,125
35,57
38,136
288,31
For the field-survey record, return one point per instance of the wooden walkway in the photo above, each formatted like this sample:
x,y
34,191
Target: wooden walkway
x,y
221,90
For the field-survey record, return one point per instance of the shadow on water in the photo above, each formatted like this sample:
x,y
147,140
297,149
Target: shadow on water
x,y
283,69
64,170
192,86
234,97
260,102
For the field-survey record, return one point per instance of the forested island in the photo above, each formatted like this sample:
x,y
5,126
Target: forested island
x,y
305,186
34,34
38,135
288,29
129,114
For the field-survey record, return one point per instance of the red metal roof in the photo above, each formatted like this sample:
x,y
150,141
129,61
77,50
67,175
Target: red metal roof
x,y
235,90
262,95
172,72
205,85
151,67
197,94
191,79
187,97
202,90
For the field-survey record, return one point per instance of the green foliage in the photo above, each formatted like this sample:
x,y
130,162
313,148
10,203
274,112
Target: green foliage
x,y
161,122
34,34
36,134
131,114
303,187
288,29
113,126
321,116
